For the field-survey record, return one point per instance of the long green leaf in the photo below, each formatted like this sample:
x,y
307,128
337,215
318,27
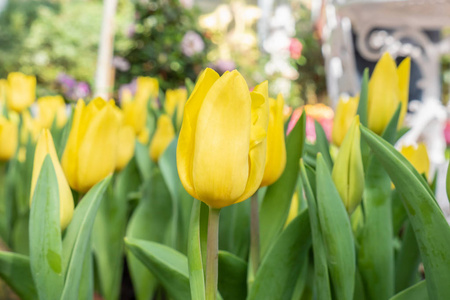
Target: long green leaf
x,y
416,292
77,239
277,274
336,232
429,224
45,235
232,277
150,221
167,264
15,271
322,144
363,103
275,206
196,276
321,279
408,260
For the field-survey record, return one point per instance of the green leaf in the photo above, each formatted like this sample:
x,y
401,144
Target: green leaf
x,y
144,163
408,260
321,279
275,206
15,271
76,243
336,232
197,279
416,292
277,274
322,144
232,277
167,264
363,99
431,229
109,231
150,221
45,235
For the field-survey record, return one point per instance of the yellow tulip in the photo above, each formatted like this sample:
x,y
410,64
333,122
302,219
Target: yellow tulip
x,y
21,91
8,138
418,157
175,99
293,209
163,136
46,146
90,153
388,87
51,107
345,111
146,88
348,171
144,136
276,147
30,128
222,144
125,146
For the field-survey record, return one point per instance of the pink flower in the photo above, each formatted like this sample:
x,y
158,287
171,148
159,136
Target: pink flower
x,y
295,48
319,112
447,132
192,43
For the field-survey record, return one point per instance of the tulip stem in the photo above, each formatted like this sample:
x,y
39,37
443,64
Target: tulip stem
x,y
212,254
254,232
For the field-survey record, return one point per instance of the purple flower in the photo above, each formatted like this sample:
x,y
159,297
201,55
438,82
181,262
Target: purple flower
x,y
223,65
121,63
192,43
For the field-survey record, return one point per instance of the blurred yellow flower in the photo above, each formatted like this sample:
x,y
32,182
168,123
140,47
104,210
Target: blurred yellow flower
x,y
46,146
90,154
175,99
222,144
21,91
146,88
8,138
163,136
348,170
418,157
51,107
276,146
388,87
144,136
345,111
125,146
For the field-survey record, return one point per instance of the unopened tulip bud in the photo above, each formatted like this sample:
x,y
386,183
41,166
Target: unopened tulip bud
x,y
348,171
8,138
163,136
345,111
21,91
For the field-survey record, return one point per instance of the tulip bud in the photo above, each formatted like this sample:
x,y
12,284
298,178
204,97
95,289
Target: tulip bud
x,y
46,146
134,114
21,91
348,171
51,107
125,146
222,144
345,111
90,153
388,87
8,138
175,99
293,209
276,146
144,136
163,136
418,157
146,88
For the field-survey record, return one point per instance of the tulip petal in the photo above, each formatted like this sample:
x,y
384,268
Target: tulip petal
x,y
403,73
185,148
69,163
222,142
97,155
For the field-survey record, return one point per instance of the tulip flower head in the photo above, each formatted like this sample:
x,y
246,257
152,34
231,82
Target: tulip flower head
x,y
276,146
348,171
163,136
21,91
46,146
418,157
90,153
345,111
222,144
388,87
125,146
175,99
51,107
8,138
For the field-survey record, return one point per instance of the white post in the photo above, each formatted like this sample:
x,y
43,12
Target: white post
x,y
105,50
